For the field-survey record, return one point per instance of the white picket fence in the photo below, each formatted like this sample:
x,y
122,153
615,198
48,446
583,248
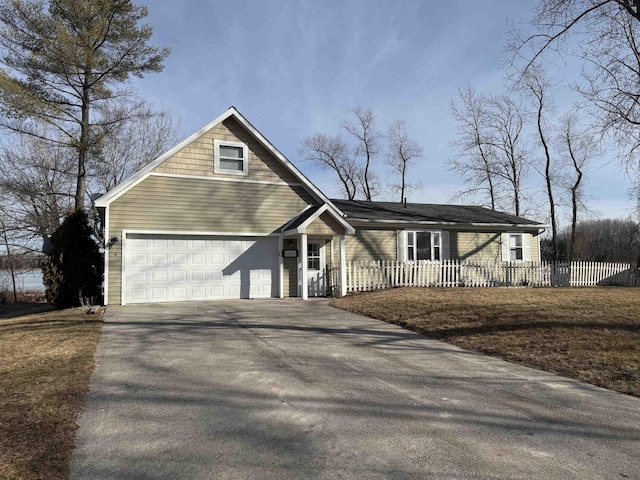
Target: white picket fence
x,y
365,276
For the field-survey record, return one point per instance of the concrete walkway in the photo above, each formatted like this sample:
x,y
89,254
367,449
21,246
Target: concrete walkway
x,y
286,389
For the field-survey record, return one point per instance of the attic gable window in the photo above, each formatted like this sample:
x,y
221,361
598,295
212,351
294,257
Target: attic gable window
x,y
230,158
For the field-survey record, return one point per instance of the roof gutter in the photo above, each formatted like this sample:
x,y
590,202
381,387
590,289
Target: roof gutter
x,y
457,224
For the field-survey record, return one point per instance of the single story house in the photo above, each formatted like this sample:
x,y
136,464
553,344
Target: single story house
x,y
224,214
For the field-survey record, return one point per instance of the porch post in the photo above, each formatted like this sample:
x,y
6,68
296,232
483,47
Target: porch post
x,y
343,267
303,271
280,267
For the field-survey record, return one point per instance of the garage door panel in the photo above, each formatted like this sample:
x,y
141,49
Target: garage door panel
x,y
198,293
161,259
158,294
162,268
216,292
199,275
198,258
158,276
138,295
139,259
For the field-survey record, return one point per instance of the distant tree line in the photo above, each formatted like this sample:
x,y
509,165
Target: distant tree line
x,y
601,240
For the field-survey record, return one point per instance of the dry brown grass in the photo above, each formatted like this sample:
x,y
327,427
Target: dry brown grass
x,y
45,363
592,334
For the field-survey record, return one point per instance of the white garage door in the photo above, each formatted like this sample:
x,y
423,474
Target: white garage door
x,y
171,268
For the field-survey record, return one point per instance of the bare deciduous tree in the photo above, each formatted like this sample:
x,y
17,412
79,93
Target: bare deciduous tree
x,y
474,161
331,153
506,120
402,152
367,147
37,177
536,84
132,144
577,148
606,36
352,157
37,184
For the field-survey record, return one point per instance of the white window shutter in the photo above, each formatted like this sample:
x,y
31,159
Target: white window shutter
x,y
401,254
504,243
526,247
444,247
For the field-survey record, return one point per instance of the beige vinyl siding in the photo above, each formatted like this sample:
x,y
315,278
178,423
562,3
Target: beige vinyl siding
x,y
476,246
535,247
290,271
197,157
463,245
197,205
114,278
371,245
325,224
484,246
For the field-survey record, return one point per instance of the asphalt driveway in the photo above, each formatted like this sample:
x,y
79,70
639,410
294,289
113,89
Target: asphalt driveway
x,y
286,389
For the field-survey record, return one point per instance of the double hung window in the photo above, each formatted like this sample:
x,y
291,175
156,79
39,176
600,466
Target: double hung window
x,y
424,245
516,247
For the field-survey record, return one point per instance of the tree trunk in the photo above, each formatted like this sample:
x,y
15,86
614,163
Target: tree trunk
x,y
490,181
547,177
11,265
574,197
367,192
83,147
403,181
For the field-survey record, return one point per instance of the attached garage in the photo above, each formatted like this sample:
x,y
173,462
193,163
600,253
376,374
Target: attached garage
x,y
170,268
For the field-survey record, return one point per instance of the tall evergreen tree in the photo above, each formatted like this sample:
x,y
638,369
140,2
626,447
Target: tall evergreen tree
x,y
66,63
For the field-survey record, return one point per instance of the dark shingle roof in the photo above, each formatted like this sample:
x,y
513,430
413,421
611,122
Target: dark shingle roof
x,y
425,212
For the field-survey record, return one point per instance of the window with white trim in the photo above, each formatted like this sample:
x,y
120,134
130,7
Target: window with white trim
x,y
230,158
516,247
424,245
313,256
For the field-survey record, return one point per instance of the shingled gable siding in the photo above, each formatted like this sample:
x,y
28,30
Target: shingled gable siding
x,y
198,205
197,157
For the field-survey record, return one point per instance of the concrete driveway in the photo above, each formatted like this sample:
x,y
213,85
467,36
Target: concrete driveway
x,y
286,389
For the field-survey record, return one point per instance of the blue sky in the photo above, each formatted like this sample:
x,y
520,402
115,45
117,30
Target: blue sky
x,y
295,67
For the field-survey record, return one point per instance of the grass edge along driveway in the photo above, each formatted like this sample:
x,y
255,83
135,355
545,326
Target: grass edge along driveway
x,y
46,360
589,334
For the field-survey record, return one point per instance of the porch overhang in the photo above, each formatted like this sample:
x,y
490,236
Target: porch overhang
x,y
300,224
315,222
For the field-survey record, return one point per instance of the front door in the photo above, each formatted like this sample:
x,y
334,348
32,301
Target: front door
x,y
315,268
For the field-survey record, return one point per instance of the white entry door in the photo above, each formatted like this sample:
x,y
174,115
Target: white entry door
x,y
316,268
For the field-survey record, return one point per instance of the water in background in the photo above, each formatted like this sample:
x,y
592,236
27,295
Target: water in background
x,y
25,280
